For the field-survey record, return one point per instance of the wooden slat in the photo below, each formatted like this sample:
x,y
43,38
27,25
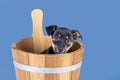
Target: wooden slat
x,y
22,58
77,58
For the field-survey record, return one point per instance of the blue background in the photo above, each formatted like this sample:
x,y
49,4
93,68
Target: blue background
x,y
97,20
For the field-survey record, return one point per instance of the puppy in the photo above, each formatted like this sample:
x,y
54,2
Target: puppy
x,y
62,39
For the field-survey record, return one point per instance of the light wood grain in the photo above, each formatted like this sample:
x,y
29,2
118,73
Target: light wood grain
x,y
21,57
38,37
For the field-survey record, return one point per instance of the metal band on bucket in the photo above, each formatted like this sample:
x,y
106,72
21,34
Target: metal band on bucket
x,y
47,70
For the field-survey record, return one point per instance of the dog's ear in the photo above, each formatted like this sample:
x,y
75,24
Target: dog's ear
x,y
50,29
76,34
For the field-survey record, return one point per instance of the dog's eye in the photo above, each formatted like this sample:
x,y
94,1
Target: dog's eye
x,y
59,35
67,37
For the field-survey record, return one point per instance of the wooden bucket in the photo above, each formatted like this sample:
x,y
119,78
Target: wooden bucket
x,y
31,65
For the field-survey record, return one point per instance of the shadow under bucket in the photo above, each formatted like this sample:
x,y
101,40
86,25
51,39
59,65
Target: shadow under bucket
x,y
29,65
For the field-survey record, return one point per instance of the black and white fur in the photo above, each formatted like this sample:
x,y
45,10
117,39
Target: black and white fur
x,y
62,39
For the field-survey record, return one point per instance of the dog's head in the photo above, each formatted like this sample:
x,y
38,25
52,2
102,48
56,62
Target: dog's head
x,y
62,38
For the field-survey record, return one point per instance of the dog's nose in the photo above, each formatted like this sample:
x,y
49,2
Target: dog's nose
x,y
62,45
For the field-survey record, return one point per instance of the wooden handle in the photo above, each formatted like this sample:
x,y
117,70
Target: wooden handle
x,y
37,16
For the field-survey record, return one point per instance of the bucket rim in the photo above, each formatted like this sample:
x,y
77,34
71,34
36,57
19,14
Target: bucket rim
x,y
14,48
